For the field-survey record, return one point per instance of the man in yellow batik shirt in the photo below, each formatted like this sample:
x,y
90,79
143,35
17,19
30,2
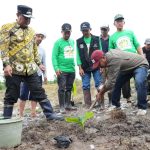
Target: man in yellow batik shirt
x,y
21,61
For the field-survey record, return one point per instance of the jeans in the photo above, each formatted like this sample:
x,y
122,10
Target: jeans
x,y
87,77
140,75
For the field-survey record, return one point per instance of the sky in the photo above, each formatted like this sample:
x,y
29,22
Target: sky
x,y
49,15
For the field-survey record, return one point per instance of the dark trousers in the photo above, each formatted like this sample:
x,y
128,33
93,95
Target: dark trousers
x,y
126,90
65,82
65,85
25,93
140,75
148,89
13,88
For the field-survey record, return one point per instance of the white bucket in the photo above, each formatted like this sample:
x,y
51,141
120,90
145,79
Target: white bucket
x,y
10,132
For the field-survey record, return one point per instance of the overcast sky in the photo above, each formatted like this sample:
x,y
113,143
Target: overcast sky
x,y
49,15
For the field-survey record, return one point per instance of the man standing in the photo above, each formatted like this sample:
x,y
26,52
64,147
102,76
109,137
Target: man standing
x,y
24,90
124,40
146,51
20,59
86,45
104,38
122,66
64,66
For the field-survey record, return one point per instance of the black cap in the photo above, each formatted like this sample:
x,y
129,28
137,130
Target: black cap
x,y
118,17
25,10
66,27
85,26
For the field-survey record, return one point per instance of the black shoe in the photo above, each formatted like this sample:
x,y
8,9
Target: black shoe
x,y
55,116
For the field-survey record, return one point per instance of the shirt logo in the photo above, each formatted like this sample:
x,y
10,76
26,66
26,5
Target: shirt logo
x,y
124,43
93,61
81,46
95,45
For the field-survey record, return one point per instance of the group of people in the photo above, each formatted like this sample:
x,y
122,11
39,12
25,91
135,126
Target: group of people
x,y
120,53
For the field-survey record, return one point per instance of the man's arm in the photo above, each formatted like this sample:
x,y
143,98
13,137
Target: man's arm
x,y
79,63
55,54
140,51
4,45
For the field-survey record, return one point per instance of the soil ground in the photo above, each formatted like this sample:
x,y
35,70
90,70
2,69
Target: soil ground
x,y
106,131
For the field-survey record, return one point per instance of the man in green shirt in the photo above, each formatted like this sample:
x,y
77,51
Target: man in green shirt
x,y
86,45
64,66
124,40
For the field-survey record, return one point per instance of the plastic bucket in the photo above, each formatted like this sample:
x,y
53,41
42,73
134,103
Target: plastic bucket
x,y
10,132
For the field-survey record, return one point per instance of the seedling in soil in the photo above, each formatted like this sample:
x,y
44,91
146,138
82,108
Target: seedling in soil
x,y
80,120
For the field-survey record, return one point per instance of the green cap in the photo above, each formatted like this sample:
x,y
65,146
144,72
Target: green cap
x,y
118,16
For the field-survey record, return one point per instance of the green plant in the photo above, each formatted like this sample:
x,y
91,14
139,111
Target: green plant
x,y
80,119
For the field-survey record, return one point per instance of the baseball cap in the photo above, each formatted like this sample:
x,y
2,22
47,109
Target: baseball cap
x,y
25,11
118,17
147,41
66,27
42,33
104,26
85,26
95,57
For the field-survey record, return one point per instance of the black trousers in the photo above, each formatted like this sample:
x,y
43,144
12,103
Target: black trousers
x,y
65,82
126,90
13,88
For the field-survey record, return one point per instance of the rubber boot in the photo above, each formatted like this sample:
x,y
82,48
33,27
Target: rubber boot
x,y
87,97
48,111
8,109
61,98
109,97
68,105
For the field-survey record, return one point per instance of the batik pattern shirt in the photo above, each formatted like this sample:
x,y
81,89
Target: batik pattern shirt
x,y
18,49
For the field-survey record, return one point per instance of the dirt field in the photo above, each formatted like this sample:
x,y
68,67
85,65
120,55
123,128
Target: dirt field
x,y
106,131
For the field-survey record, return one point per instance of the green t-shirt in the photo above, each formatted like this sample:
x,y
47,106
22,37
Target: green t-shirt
x,y
124,40
87,42
63,55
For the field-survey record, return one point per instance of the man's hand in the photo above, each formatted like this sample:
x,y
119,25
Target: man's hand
x,y
8,71
42,67
58,73
81,72
100,94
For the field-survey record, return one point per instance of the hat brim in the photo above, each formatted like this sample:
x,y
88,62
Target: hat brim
x,y
148,43
66,30
85,29
96,65
120,18
104,27
28,16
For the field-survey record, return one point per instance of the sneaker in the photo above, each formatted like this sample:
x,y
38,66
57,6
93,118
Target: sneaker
x,y
71,108
62,110
141,112
111,108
